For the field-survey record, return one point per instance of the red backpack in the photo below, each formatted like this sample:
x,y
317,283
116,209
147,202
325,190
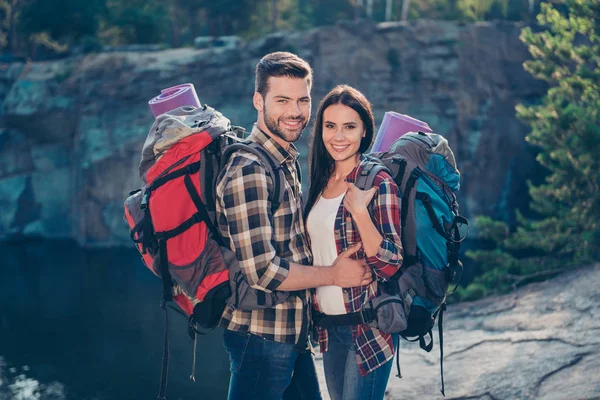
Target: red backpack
x,y
172,217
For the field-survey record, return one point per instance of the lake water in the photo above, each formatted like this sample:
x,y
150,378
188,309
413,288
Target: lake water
x,y
86,324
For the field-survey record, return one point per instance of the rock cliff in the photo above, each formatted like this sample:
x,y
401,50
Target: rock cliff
x,y
71,130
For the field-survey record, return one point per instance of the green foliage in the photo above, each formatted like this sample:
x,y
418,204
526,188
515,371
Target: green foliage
x,y
136,21
62,20
434,9
58,26
473,292
226,17
471,10
475,10
566,128
328,12
4,22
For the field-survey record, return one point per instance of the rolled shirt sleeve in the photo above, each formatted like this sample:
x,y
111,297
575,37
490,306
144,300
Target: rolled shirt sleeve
x,y
249,222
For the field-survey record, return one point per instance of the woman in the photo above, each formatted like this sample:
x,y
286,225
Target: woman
x,y
357,357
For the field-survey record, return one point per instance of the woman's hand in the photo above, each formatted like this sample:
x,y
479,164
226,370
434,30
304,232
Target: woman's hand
x,y
356,200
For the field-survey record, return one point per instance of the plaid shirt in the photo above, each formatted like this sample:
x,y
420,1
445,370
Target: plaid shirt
x,y
264,243
373,347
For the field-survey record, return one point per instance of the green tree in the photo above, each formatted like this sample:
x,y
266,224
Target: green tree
x,y
54,26
566,128
329,12
230,17
9,15
63,20
470,10
136,21
475,10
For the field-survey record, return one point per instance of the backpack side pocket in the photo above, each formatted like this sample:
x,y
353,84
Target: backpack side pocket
x,y
391,313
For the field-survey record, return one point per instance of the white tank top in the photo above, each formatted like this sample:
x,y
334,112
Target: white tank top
x,y
321,226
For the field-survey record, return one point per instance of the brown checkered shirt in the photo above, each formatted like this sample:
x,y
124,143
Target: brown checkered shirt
x,y
264,243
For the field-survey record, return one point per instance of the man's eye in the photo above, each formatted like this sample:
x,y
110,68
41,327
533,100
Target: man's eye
x,y
305,101
282,101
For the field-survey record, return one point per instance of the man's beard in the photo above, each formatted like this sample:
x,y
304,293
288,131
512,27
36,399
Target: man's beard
x,y
273,127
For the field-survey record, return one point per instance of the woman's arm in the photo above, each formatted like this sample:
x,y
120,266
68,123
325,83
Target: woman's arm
x,y
380,233
370,236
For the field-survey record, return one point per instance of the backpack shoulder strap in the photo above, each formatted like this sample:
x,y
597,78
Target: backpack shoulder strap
x,y
368,171
271,165
298,171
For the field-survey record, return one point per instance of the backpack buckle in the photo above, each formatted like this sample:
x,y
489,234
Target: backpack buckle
x,y
144,203
416,172
452,271
367,316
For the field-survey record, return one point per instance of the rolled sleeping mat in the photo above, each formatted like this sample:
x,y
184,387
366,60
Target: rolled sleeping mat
x,y
174,97
395,125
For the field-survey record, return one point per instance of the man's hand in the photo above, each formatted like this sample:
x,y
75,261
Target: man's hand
x,y
349,272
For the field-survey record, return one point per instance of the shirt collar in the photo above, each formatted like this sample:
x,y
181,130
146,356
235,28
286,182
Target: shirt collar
x,y
279,153
351,177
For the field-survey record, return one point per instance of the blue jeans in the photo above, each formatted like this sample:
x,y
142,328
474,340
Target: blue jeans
x,y
265,370
344,381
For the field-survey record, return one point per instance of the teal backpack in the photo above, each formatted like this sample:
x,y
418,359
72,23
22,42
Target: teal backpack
x,y
424,168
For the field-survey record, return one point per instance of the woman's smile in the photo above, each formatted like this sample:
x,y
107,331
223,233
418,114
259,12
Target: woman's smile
x,y
339,147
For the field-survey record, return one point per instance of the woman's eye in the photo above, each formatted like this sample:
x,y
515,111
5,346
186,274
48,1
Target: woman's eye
x,y
328,126
349,127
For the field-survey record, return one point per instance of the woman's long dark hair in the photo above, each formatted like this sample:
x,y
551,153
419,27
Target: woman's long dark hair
x,y
321,164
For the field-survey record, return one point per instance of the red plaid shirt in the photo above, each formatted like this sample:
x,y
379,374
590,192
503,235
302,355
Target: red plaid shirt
x,y
373,347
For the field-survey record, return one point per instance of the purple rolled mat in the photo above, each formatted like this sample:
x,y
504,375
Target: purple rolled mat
x,y
395,125
174,97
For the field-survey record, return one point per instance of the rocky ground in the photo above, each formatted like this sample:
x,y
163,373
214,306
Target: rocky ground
x,y
540,342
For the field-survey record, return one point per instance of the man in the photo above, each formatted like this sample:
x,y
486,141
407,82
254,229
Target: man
x,y
268,348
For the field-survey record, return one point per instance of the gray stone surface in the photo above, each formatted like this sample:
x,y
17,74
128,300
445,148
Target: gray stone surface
x,y
540,342
80,123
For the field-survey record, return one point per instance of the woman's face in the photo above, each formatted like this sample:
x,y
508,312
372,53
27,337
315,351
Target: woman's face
x,y
342,131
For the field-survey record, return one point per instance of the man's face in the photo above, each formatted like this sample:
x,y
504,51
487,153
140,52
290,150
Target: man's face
x,y
285,109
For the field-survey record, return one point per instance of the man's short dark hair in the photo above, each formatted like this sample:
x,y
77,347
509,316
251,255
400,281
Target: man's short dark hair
x,y
280,63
